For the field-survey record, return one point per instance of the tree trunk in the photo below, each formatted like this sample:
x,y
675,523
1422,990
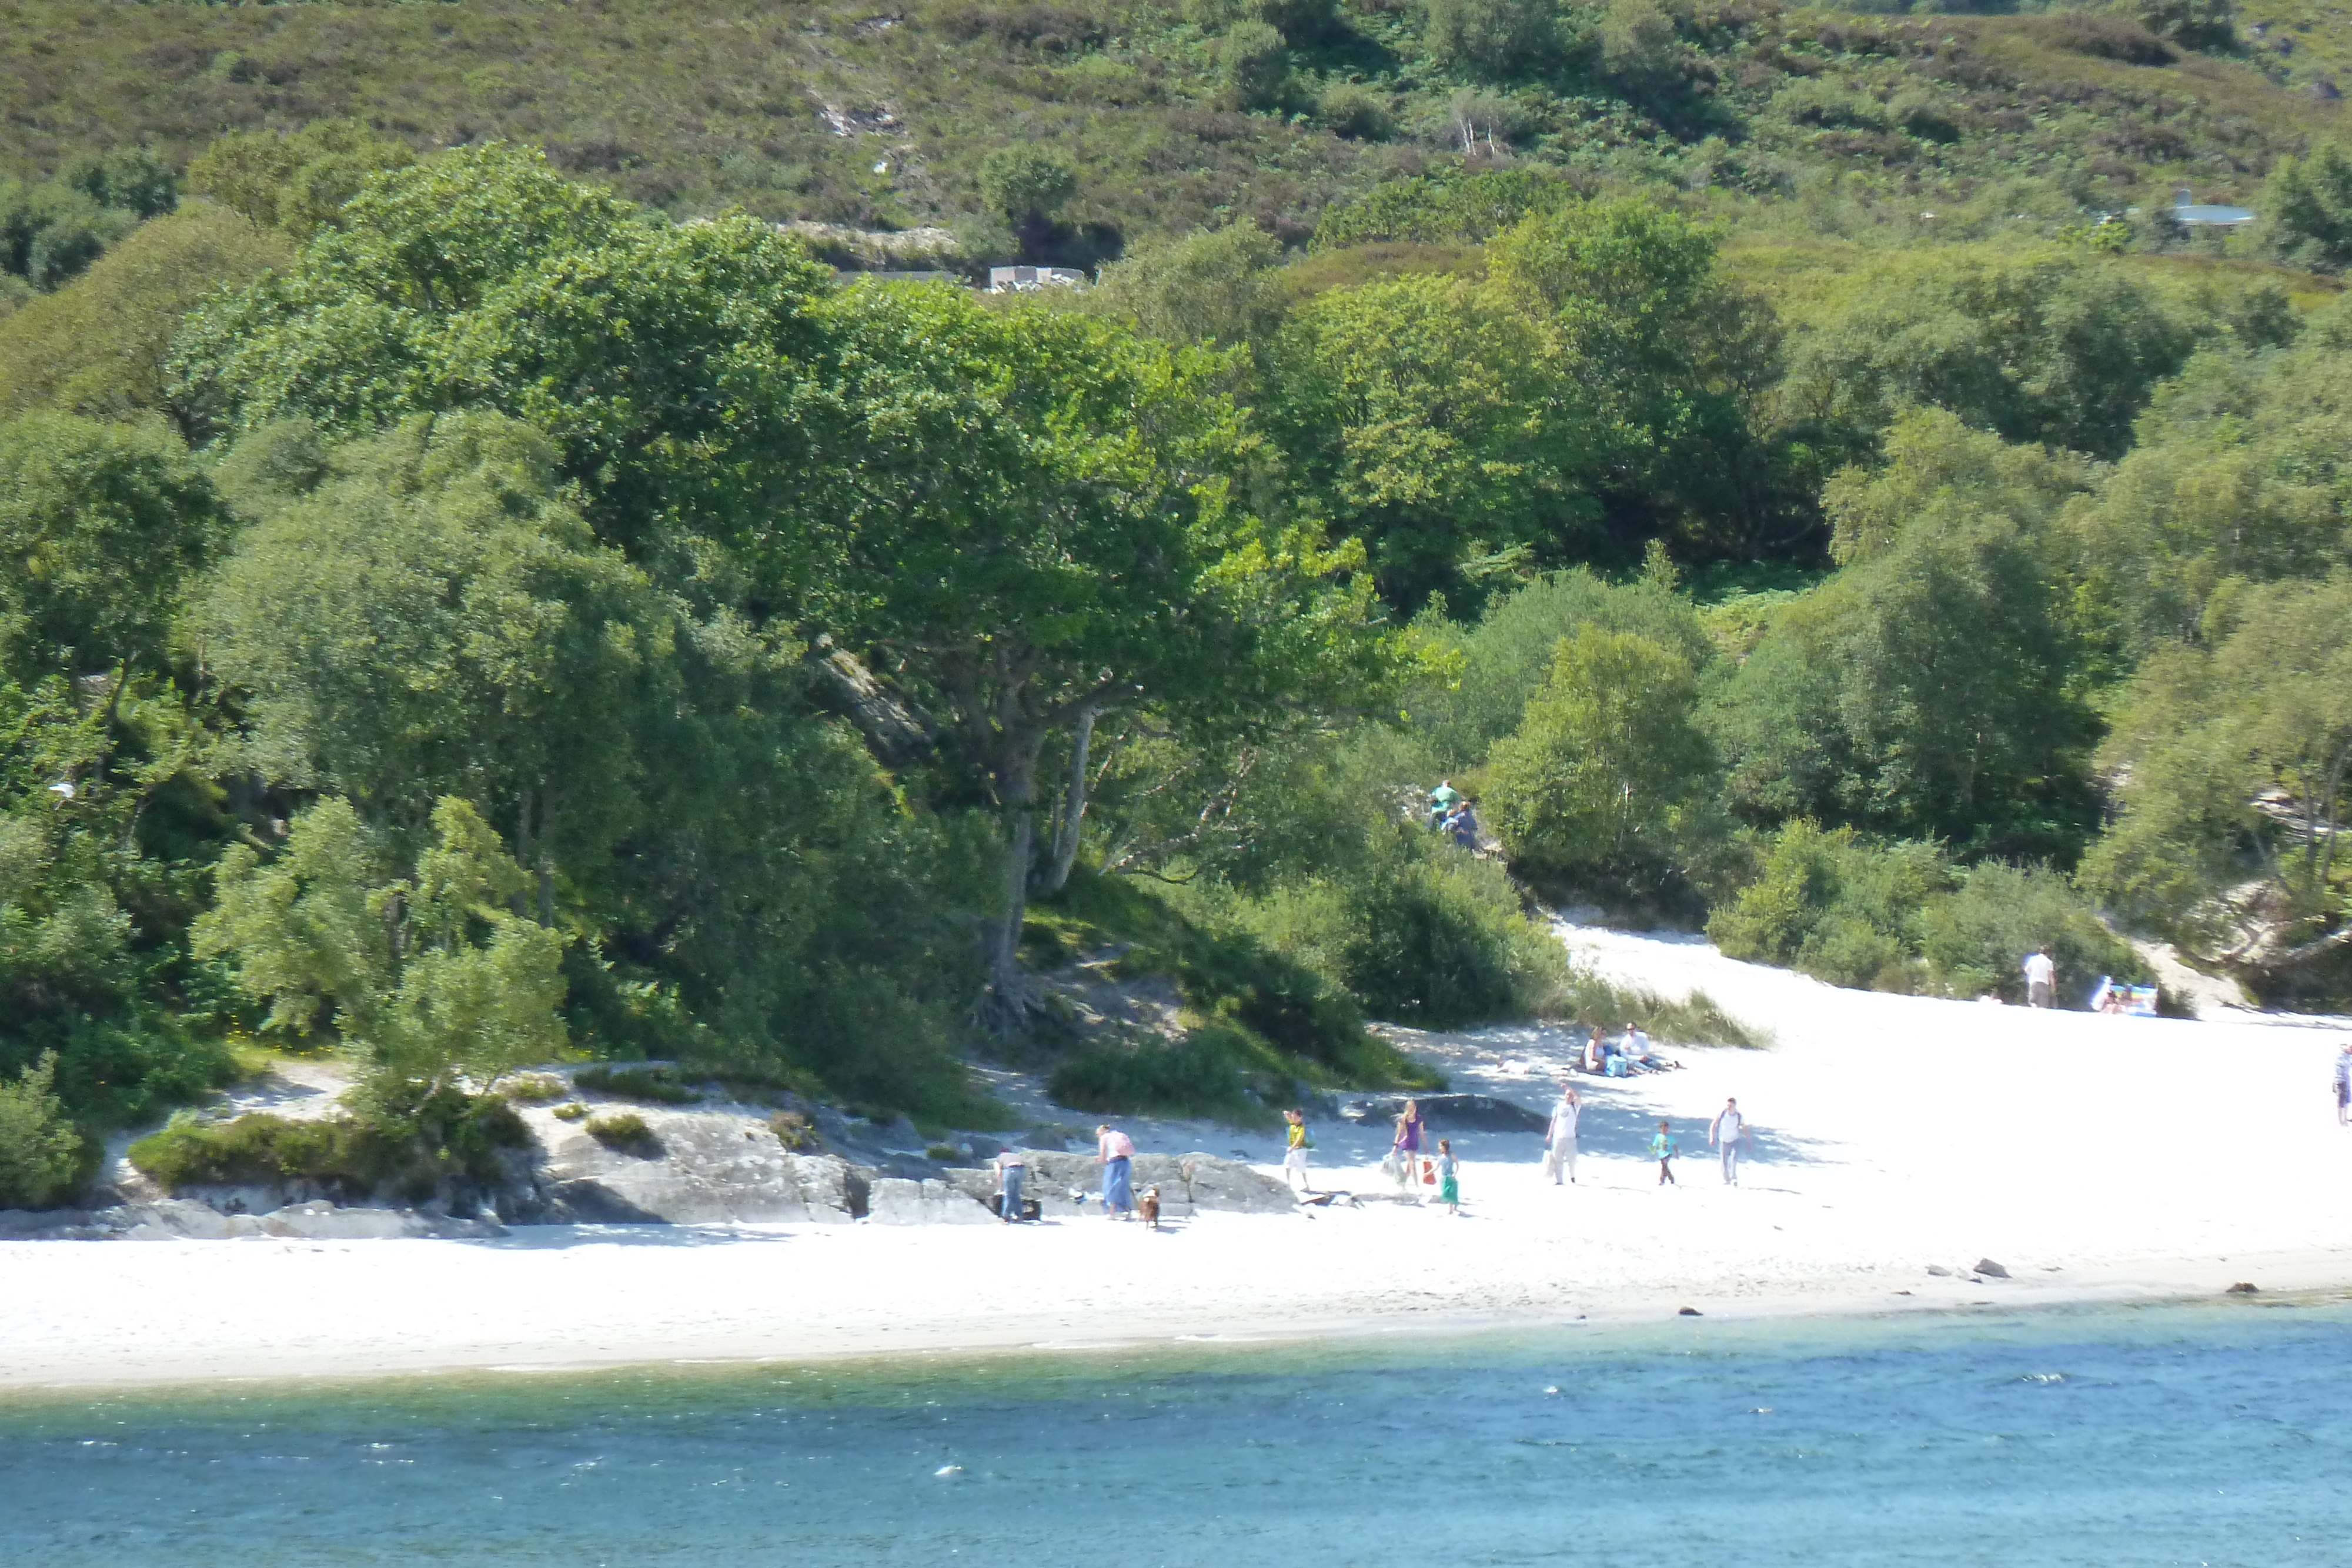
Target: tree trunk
x,y
1005,1007
1074,803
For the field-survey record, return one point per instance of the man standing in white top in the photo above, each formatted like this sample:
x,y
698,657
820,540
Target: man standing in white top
x,y
1560,1139
2040,978
1729,1127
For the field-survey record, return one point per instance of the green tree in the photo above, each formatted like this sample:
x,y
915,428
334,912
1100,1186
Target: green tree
x,y
431,975
1430,415
2235,761
1214,286
40,1150
1930,691
1605,784
1491,39
1676,359
1027,185
297,181
2060,349
2240,473
437,621
2310,199
101,527
1510,654
1254,64
353,335
1088,556
100,345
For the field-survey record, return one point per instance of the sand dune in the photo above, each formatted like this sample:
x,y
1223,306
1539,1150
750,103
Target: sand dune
x,y
2092,1157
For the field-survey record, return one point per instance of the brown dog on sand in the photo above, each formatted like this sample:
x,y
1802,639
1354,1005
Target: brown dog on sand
x,y
1148,1206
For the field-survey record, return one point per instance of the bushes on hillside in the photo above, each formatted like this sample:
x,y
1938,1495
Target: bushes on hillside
x,y
1899,916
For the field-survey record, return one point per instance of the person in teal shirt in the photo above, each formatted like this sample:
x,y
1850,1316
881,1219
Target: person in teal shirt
x,y
1449,1178
1442,801
1663,1149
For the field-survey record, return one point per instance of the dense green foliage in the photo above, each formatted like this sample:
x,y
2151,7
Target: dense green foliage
x,y
460,615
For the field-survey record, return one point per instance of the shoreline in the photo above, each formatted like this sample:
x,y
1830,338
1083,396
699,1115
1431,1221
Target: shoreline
x,y
583,1346
2099,1160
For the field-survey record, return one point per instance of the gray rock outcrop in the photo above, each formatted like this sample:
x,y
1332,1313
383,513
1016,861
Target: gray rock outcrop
x,y
897,1201
1188,1183
697,1169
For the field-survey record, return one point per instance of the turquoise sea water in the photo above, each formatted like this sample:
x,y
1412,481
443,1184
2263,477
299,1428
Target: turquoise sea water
x,y
2203,1435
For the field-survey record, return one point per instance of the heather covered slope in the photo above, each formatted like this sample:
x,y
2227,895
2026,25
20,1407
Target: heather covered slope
x,y
880,115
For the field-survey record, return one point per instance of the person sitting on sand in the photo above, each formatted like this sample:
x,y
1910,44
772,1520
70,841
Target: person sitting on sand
x,y
1560,1137
1115,1152
1596,1051
1663,1149
1012,1169
1449,1178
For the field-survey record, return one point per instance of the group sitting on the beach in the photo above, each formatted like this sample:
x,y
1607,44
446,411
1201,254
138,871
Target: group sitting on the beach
x,y
1628,1053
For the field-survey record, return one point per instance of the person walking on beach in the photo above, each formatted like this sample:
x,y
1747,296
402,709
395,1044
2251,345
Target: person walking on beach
x,y
2040,978
1663,1149
1012,1169
1294,1154
1729,1127
1449,1178
2344,1085
1405,1150
1559,1138
1115,1152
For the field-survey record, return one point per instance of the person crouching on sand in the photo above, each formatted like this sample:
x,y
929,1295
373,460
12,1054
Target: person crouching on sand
x,y
1663,1149
1449,1178
1115,1152
1559,1138
1294,1154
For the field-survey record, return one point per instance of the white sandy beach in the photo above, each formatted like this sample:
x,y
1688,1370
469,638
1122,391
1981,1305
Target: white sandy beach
x,y
2095,1158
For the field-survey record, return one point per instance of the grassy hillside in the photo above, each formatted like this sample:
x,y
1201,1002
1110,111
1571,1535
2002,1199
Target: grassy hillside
x,y
879,115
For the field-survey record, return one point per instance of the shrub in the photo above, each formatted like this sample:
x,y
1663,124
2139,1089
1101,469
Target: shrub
x,y
40,1152
793,1130
943,1152
1356,112
1212,1073
653,1085
571,1113
534,1088
1900,917
624,1131
411,1145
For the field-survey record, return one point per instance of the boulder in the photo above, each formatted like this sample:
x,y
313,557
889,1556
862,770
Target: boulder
x,y
1992,1269
328,1222
897,1201
696,1169
1187,1183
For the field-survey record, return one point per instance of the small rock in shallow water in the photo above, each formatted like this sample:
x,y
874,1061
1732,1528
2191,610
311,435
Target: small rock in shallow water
x,y
1987,1265
2240,1289
1690,1312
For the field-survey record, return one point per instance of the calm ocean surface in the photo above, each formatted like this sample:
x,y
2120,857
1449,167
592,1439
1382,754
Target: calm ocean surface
x,y
2189,1436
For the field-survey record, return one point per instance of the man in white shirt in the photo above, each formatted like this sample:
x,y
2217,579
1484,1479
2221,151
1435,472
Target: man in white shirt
x,y
2040,978
2344,1085
1729,1127
1560,1139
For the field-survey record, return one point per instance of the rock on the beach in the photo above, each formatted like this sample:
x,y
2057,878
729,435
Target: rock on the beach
x,y
1187,1183
897,1201
1992,1269
703,1169
1939,1270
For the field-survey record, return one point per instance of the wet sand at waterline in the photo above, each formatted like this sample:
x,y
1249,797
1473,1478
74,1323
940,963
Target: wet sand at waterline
x,y
2094,1159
